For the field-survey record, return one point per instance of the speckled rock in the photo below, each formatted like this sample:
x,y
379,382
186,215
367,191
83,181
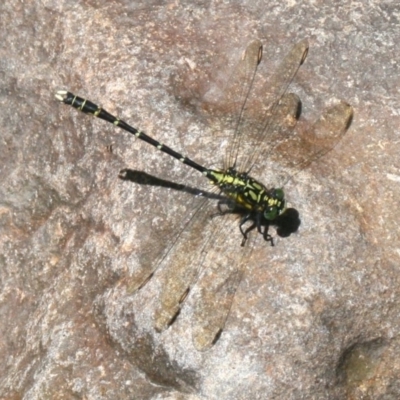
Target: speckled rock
x,y
315,317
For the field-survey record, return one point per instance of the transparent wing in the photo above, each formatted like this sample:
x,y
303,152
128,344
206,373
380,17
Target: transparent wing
x,y
266,120
178,211
258,125
203,259
223,272
236,95
183,266
309,145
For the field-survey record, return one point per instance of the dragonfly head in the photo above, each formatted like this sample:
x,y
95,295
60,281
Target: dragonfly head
x,y
275,204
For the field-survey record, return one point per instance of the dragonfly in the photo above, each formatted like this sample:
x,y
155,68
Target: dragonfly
x,y
191,256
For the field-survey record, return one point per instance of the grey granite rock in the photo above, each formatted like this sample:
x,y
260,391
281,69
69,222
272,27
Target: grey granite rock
x,y
315,317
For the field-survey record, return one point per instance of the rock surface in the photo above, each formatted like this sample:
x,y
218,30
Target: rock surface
x,y
315,317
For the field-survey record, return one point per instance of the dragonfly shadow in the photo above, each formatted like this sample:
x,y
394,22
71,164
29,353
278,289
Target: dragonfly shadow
x,y
143,178
287,223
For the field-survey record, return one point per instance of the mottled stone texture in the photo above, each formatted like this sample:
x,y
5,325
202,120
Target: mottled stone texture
x,y
315,317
